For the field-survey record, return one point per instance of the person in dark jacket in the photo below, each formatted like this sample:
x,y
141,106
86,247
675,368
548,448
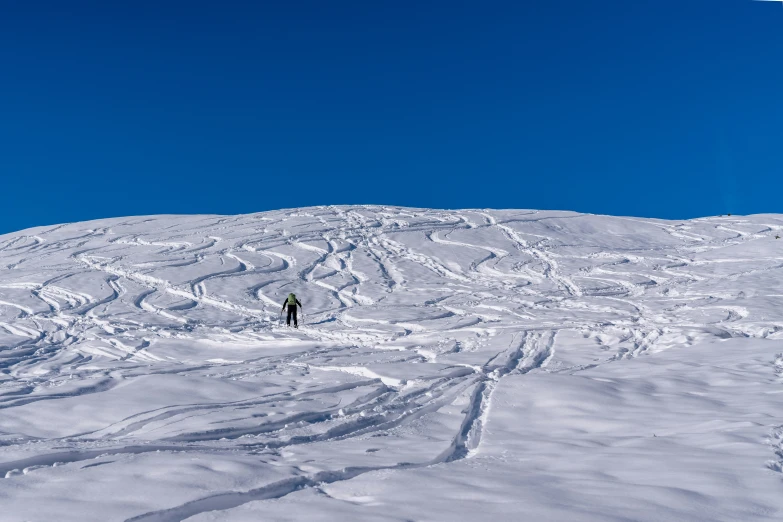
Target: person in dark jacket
x,y
291,302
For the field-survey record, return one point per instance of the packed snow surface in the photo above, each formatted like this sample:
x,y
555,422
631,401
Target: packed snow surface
x,y
452,365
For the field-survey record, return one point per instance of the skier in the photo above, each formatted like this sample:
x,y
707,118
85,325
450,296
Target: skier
x,y
291,301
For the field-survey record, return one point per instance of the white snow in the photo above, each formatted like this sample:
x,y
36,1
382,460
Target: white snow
x,y
453,365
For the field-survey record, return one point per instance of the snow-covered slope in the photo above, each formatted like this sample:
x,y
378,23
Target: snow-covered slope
x,y
453,365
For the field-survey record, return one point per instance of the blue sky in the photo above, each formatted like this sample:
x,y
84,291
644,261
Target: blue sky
x,y
669,109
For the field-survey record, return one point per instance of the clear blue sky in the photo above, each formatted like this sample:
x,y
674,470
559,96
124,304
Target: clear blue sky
x,y
671,108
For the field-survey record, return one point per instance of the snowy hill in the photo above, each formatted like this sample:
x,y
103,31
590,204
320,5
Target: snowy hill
x,y
453,365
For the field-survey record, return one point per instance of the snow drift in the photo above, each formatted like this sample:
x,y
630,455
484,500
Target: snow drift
x,y
452,365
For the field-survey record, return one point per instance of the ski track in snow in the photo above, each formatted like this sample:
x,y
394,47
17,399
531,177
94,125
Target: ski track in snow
x,y
411,315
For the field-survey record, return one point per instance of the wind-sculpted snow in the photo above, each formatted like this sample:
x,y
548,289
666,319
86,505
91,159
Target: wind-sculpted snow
x,y
452,365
